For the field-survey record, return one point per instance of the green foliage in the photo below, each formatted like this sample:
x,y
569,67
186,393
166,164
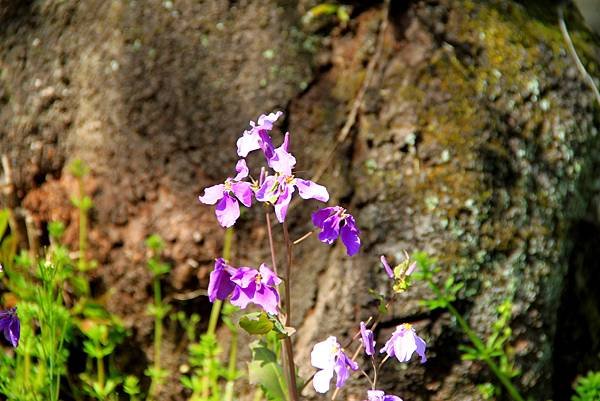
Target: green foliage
x,y
78,168
587,388
494,351
327,9
256,323
265,371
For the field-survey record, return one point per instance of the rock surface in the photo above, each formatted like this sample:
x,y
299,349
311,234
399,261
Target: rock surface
x,y
476,142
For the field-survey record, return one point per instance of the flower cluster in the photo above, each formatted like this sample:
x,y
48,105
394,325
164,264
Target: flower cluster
x,y
245,285
276,187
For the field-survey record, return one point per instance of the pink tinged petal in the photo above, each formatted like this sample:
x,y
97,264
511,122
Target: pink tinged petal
x,y
310,190
387,267
282,161
248,142
243,191
323,354
242,296
245,276
268,276
389,345
392,398
283,202
268,191
319,217
212,194
267,121
411,268
242,170
227,211
341,368
350,238
405,346
322,379
267,298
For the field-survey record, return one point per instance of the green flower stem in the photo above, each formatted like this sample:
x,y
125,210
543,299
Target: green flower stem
x,y
478,343
83,226
158,328
231,370
100,368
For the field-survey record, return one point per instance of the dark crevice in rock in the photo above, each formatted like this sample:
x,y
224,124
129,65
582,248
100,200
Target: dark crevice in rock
x,y
577,340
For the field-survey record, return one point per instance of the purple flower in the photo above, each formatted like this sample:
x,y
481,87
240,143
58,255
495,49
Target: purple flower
x,y
378,395
220,284
281,160
333,222
10,325
278,189
403,343
257,136
367,339
228,209
329,358
257,287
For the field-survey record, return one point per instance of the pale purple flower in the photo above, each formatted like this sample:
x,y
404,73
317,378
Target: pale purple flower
x,y
10,326
403,343
220,285
257,136
387,267
228,208
367,339
281,160
378,395
257,287
328,357
278,189
334,222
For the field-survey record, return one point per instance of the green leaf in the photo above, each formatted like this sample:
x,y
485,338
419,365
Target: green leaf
x,y
4,215
266,372
256,323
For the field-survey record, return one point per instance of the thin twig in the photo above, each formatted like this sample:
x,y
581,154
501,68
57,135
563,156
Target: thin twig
x,y
585,75
305,236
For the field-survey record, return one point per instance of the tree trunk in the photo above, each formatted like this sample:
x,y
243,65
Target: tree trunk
x,y
476,141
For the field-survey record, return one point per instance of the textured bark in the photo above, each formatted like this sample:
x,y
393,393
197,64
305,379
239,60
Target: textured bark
x,y
476,141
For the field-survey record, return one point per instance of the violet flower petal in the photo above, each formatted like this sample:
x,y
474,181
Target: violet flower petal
x,y
318,217
350,238
267,298
281,160
367,339
268,191
310,190
387,267
243,191
220,284
242,170
212,194
268,276
330,229
227,211
283,202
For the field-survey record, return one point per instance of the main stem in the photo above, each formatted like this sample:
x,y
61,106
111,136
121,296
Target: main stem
x,y
287,341
157,338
